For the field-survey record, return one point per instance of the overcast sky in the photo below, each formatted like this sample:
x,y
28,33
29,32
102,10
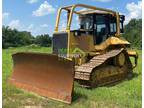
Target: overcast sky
x,y
38,16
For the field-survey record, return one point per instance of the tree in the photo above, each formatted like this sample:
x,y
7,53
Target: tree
x,y
15,38
43,40
133,33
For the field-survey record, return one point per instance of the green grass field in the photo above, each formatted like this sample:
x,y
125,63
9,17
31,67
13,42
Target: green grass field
x,y
126,94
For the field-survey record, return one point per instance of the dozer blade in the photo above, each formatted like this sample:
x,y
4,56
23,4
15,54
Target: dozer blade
x,y
45,74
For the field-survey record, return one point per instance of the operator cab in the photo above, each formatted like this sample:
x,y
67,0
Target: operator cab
x,y
101,26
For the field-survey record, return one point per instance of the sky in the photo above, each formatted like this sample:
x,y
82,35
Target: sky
x,y
39,16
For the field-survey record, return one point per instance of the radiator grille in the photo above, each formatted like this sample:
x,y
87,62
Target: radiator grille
x,y
60,43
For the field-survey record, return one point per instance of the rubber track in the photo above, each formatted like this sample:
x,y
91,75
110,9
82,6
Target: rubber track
x,y
84,71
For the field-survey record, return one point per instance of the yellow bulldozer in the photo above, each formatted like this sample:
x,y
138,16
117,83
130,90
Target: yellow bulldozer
x,y
93,55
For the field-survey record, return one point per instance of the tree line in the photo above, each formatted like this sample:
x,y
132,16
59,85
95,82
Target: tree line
x,y
133,33
15,38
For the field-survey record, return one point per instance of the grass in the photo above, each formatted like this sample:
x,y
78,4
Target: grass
x,y
126,94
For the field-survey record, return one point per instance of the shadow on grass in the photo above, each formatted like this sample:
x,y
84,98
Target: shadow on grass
x,y
78,96
133,75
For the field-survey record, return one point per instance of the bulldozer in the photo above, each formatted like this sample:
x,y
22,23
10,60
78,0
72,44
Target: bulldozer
x,y
94,55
